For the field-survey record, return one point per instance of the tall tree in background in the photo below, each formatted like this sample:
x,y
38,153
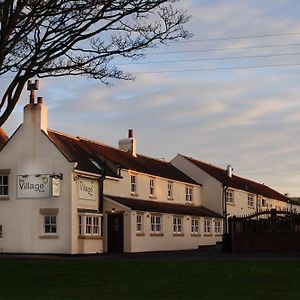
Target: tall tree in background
x,y
51,38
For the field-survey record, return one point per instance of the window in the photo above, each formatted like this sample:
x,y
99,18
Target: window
x,y
250,200
264,202
152,190
170,189
258,202
177,224
139,223
156,224
230,196
3,185
195,226
50,225
218,227
207,226
0,231
89,225
133,183
188,194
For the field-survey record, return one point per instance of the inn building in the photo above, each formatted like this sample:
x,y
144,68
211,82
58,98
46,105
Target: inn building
x,y
71,195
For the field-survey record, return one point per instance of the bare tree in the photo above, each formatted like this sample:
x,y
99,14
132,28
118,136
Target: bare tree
x,y
50,38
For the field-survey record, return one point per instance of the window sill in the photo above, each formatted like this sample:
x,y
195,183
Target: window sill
x,y
230,204
170,198
251,207
196,234
208,234
156,234
178,234
134,194
190,203
140,234
49,237
152,197
90,237
218,234
4,198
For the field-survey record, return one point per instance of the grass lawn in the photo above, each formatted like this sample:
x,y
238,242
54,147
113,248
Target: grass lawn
x,y
137,279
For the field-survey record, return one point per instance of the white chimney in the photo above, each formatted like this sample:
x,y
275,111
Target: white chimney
x,y
229,170
36,114
128,144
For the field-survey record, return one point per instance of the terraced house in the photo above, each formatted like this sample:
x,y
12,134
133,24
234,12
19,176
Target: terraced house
x,y
64,194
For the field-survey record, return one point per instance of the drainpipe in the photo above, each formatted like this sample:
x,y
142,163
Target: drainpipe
x,y
101,183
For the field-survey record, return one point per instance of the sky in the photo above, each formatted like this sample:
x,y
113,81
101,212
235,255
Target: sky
x,y
229,95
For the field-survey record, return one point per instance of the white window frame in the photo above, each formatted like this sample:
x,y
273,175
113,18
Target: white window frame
x,y
133,185
177,224
156,224
139,223
195,226
218,227
170,189
251,200
207,226
229,196
50,221
89,224
152,186
4,187
189,194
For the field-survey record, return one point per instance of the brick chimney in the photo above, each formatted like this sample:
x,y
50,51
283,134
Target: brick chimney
x,y
128,144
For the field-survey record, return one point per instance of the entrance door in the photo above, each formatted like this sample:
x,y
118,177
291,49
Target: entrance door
x,y
115,234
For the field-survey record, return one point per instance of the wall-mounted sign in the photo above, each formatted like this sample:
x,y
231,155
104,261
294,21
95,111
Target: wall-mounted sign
x,y
87,189
32,186
55,187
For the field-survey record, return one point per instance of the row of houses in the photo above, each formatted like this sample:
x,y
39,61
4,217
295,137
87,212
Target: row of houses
x,y
71,195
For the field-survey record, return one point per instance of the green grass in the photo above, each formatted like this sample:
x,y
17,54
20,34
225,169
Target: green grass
x,y
132,279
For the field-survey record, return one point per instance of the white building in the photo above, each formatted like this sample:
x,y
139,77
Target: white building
x,y
243,196
54,197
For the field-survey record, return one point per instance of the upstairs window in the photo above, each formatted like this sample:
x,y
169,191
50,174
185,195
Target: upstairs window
x,y
230,196
133,184
170,189
250,200
3,185
152,186
189,194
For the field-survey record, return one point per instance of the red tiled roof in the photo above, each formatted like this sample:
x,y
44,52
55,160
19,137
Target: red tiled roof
x,y
237,182
83,151
162,207
3,138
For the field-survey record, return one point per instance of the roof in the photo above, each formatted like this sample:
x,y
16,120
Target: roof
x,y
237,182
162,207
91,157
3,137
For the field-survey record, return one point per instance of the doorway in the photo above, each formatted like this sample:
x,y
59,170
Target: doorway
x,y
115,232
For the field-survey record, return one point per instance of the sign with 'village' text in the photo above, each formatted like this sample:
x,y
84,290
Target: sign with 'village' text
x,y
33,186
87,189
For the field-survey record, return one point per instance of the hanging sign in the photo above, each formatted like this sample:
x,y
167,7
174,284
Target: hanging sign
x,y
87,189
32,186
55,187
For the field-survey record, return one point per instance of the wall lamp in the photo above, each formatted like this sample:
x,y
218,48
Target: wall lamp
x,y
57,176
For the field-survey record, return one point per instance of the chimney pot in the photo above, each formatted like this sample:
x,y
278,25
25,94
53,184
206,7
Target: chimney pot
x,y
40,100
130,133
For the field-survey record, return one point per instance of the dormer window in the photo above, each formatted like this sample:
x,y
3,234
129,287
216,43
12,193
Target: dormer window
x,y
230,196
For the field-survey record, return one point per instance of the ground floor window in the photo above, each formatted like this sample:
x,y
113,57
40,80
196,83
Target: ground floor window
x,y
207,226
0,231
195,226
139,223
218,227
89,225
50,225
156,222
177,224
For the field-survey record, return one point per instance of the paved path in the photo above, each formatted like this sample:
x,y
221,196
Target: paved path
x,y
205,253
